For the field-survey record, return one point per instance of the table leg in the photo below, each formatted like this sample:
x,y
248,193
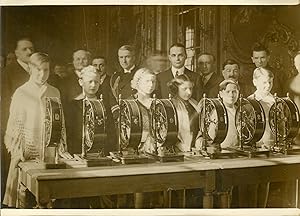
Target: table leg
x,y
25,199
224,199
139,200
167,198
208,200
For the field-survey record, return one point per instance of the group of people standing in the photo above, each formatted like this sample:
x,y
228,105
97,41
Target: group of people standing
x,y
27,82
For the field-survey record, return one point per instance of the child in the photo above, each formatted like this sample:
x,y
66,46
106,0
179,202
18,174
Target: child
x,y
90,82
144,81
263,81
257,195
181,89
23,137
229,93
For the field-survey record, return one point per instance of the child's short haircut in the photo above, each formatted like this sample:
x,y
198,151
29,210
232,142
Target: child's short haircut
x,y
139,74
259,72
225,83
89,70
36,59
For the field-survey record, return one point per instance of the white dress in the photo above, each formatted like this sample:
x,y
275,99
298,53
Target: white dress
x,y
23,137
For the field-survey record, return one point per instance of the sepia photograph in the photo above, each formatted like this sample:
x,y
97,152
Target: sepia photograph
x,y
159,109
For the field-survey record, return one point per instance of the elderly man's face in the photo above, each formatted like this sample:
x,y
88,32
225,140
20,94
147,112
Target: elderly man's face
x,y
24,50
80,60
231,71
99,64
205,64
260,58
126,59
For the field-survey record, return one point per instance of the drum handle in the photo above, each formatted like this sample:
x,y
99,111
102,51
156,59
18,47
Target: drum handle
x,y
204,123
119,125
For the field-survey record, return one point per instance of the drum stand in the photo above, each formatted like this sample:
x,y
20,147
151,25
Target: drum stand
x,y
130,154
166,154
50,158
284,144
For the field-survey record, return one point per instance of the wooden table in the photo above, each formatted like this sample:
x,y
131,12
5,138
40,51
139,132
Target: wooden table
x,y
212,175
123,179
243,171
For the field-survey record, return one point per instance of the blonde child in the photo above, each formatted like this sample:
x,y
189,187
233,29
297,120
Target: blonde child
x,y
23,137
257,195
263,81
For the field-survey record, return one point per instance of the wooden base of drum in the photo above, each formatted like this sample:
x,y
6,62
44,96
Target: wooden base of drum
x,y
58,165
131,158
294,150
250,152
93,159
169,157
224,153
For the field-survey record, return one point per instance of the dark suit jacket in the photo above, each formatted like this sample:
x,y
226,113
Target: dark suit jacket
x,y
12,77
211,89
166,76
69,88
122,83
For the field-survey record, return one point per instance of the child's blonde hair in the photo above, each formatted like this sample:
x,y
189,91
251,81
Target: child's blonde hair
x,y
89,70
259,72
36,59
139,74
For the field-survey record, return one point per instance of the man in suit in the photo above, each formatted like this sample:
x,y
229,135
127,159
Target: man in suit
x,y
120,80
71,87
261,57
210,80
14,75
177,57
231,70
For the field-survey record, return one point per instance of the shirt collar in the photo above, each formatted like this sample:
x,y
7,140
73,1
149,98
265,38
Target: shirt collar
x,y
258,96
129,71
102,78
23,65
180,71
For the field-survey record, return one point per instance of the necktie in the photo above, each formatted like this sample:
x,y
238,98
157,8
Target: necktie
x,y
176,74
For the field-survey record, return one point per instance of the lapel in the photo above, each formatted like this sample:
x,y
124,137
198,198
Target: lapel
x,y
211,82
168,75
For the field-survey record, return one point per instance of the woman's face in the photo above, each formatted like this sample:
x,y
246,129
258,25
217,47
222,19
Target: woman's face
x,y
146,84
230,94
40,73
185,90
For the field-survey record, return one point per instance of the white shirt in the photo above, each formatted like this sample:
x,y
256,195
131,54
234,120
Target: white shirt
x,y
180,71
129,71
231,139
23,65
